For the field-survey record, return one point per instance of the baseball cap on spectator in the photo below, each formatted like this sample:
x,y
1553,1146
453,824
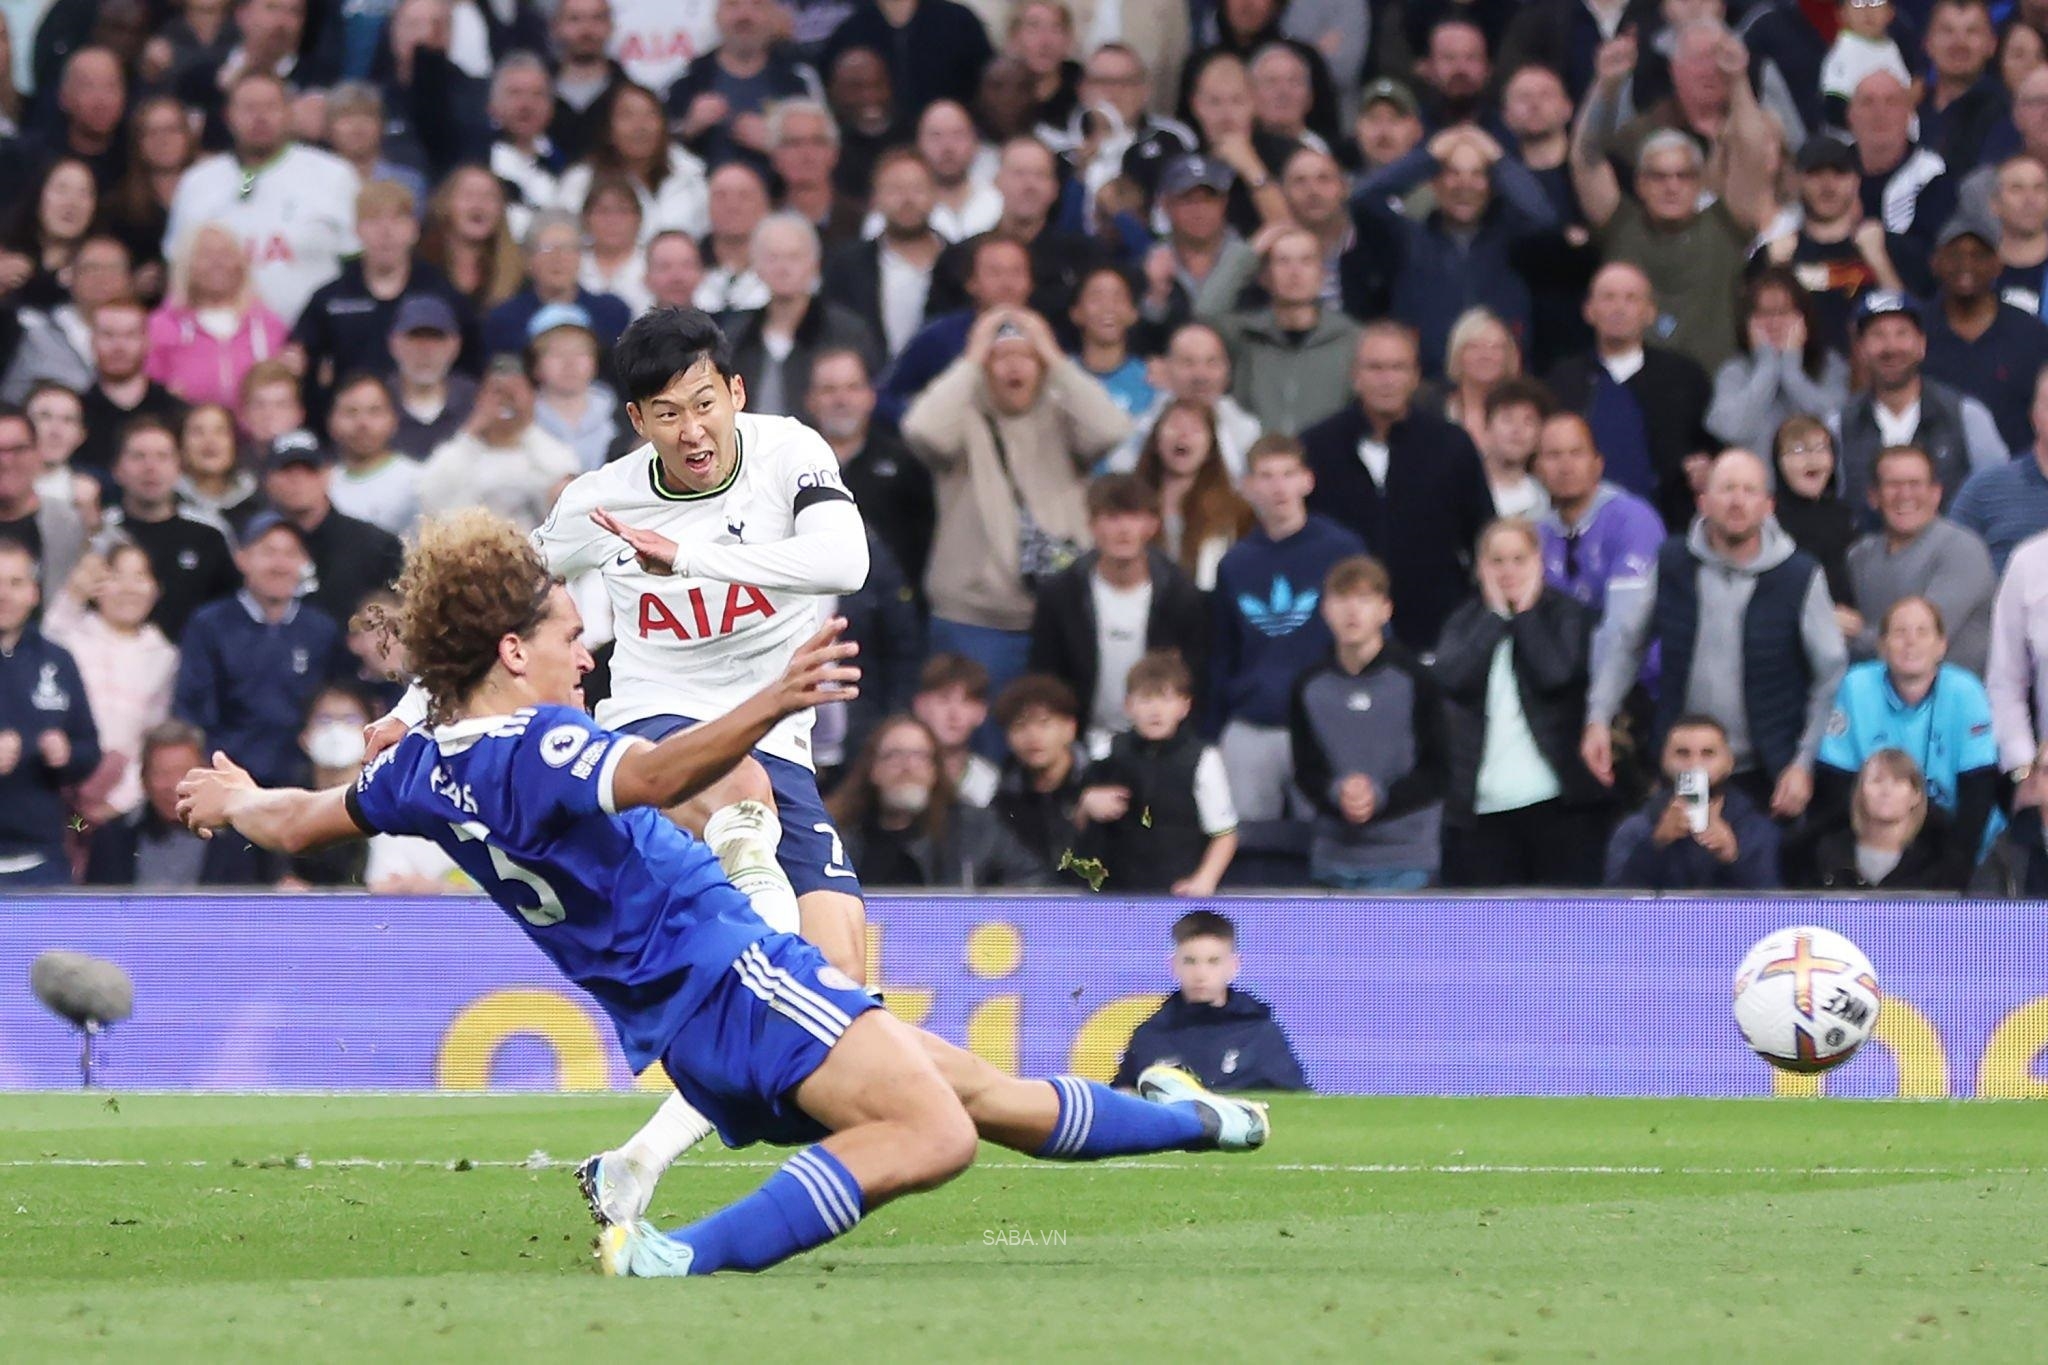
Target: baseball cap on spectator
x,y
1880,303
1964,223
1829,152
553,315
1196,171
425,313
295,447
263,523
1386,90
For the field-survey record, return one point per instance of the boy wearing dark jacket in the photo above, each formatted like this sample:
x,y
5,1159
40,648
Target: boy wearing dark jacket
x,y
1367,730
47,737
1156,811
1227,1038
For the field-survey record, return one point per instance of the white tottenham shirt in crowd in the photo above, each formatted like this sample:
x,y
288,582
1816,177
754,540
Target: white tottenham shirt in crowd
x,y
295,215
754,556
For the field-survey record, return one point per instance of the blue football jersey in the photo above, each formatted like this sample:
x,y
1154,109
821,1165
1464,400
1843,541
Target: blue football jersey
x,y
628,906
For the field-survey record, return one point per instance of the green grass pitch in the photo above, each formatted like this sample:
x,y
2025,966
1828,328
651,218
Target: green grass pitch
x,y
424,1229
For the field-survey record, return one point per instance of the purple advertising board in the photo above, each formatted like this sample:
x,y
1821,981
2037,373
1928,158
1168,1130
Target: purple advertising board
x,y
1396,995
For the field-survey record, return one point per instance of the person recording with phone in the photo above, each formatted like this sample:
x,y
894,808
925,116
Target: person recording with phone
x,y
1697,831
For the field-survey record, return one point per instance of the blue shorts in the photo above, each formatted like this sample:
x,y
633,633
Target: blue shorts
x,y
765,1027
811,853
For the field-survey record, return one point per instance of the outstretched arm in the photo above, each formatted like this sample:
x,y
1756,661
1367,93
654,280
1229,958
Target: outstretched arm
x,y
1593,179
281,819
827,553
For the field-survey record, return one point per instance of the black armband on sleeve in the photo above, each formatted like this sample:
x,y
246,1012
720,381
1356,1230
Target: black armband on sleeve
x,y
817,493
354,803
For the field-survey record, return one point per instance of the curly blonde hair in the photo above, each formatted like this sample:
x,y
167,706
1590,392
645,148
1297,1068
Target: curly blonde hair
x,y
470,579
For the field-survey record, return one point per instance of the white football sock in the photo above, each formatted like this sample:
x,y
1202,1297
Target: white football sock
x,y
744,836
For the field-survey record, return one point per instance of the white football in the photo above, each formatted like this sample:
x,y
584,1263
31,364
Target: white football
x,y
1806,998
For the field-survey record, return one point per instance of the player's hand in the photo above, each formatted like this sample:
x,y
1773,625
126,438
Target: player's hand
x,y
55,748
1674,824
655,551
819,671
1355,799
1718,839
10,751
1596,747
204,795
380,735
1104,804
1793,792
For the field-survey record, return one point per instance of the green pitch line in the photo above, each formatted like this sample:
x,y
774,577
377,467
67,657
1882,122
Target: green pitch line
x,y
426,1229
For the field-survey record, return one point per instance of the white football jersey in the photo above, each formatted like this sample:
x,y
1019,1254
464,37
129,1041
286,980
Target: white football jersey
x,y
690,645
295,216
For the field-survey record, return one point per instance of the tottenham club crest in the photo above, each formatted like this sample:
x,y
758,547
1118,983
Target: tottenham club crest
x,y
49,694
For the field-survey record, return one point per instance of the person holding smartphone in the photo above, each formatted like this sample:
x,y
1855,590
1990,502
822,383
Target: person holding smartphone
x,y
500,459
1697,832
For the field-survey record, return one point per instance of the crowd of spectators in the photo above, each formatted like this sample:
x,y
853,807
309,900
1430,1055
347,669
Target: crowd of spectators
x,y
1559,443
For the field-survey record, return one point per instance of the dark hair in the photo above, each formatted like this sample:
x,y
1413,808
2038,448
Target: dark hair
x,y
1036,691
842,353
1211,506
1699,720
1203,924
662,343
10,413
992,238
1121,495
171,734
142,426
614,183
1121,275
1815,352
1161,670
604,154
892,156
1520,391
356,379
25,226
853,800
942,671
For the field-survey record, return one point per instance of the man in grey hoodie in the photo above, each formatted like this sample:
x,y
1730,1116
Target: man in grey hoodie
x,y
1747,632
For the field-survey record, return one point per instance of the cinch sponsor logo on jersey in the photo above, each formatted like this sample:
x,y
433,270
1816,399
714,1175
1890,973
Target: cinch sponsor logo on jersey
x,y
1283,612
741,601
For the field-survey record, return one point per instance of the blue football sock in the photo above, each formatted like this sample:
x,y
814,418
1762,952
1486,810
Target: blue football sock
x,y
811,1200
1096,1121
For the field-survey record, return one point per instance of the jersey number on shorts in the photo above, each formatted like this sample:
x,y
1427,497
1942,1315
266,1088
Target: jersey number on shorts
x,y
549,910
837,866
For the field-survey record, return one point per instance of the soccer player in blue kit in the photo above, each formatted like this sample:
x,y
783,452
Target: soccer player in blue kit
x,y
559,820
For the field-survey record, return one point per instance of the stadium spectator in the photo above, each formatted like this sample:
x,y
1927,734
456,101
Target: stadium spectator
x,y
1388,125
2016,673
630,138
468,238
331,746
121,387
1864,45
1747,634
893,489
554,246
1193,198
162,146
348,322
1040,790
719,105
1104,313
803,151
59,421
56,342
210,328
1536,112
85,117
570,402
433,402
1646,405
1197,369
1427,272
1040,33
675,270
291,206
886,280
1896,839
1283,96
47,738
1904,182
1155,810
188,554
499,459
1910,699
2020,204
775,346
1835,249
1918,553
1291,359
48,528
1514,411
1963,102
150,848
1808,505
1228,1038
1732,847
355,124
350,558
212,482
1480,355
965,201
523,157
1785,370
1404,481
1513,664
1594,533
1267,630
250,665
2017,866
1904,407
1976,343
1094,620
952,703
41,243
935,48
737,203
998,279
1692,257
1366,733
858,93
1201,516
271,404
903,824
1009,431
2006,503
1027,178
579,38
1133,78
127,666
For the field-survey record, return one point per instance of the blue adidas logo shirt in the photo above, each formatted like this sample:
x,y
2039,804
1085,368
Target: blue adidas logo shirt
x,y
1269,626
